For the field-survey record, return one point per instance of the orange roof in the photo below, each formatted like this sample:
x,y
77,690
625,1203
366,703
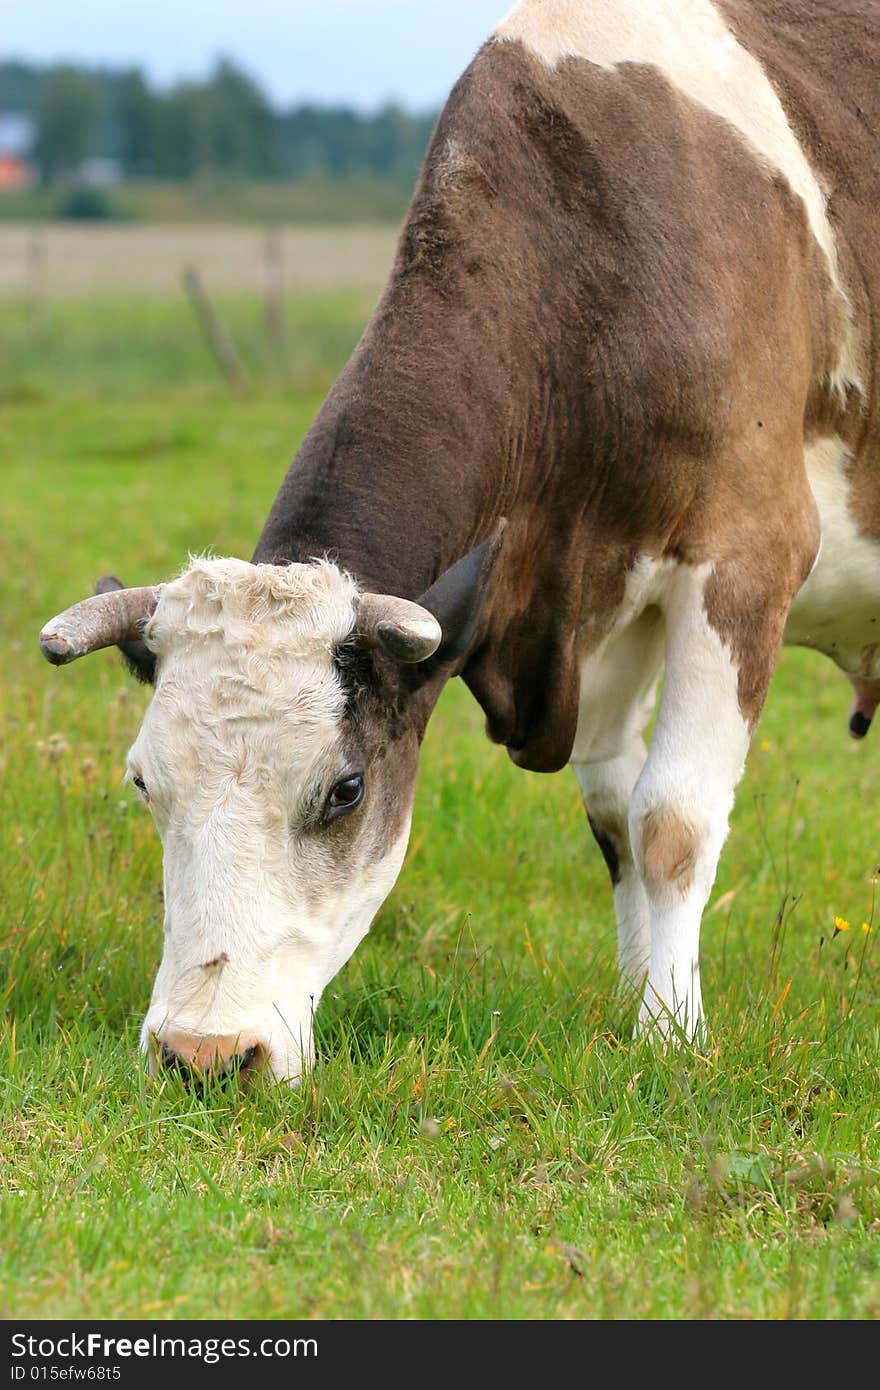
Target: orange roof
x,y
13,172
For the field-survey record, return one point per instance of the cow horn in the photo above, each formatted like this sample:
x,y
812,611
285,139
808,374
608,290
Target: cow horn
x,y
117,615
404,630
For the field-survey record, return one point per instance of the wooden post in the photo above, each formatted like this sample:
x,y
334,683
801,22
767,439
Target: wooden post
x,y
218,341
36,266
273,287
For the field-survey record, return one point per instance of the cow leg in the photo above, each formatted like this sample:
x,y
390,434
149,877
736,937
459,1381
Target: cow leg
x,y
617,699
724,630
606,788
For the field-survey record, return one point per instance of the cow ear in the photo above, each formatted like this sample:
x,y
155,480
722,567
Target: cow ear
x,y
457,598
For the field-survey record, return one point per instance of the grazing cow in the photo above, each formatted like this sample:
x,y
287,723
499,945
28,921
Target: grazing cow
x,y
616,411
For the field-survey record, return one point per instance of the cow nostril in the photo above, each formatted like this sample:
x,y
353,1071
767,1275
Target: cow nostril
x,y
171,1059
250,1061
207,1059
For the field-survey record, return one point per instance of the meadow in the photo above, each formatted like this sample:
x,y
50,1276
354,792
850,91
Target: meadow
x,y
481,1137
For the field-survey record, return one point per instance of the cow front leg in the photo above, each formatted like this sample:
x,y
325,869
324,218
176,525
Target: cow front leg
x,y
719,661
606,788
617,698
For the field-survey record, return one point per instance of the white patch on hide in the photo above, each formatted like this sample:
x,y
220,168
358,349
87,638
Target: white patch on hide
x,y
837,610
689,42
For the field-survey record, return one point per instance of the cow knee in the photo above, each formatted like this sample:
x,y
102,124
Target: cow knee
x,y
612,838
669,848
606,788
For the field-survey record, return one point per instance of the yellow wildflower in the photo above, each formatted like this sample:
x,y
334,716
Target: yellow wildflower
x,y
867,929
841,924
764,745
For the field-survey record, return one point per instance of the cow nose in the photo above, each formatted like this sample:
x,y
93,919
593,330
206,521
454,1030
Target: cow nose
x,y
205,1055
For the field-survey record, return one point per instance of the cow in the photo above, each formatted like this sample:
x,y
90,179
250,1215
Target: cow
x,y
615,414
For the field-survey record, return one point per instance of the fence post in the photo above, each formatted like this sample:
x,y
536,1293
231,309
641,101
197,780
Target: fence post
x,y
36,276
273,287
218,340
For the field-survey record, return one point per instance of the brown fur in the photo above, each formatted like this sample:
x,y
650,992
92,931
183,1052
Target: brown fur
x,y
611,840
823,57
608,320
668,849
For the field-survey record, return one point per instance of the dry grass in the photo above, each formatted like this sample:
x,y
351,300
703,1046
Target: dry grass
x,y
106,260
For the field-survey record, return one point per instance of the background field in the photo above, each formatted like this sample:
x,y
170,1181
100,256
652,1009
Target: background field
x,y
76,260
481,1138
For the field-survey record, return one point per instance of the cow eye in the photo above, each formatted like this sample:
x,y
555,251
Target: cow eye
x,y
346,795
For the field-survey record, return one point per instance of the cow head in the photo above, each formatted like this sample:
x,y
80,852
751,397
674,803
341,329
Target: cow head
x,y
278,757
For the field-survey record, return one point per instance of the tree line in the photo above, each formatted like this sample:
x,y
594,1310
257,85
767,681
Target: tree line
x,y
223,127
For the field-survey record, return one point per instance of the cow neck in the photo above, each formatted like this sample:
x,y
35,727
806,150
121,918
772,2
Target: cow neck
x,y
419,449
406,466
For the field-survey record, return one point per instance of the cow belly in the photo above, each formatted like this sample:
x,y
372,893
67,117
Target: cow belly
x,y
837,610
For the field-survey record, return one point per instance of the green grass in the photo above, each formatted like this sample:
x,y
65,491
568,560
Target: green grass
x,y
481,1139
111,348
362,198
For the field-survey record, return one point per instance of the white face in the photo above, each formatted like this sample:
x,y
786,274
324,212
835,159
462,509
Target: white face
x,y
252,759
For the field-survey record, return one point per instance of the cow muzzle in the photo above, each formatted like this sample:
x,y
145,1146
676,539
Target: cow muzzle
x,y
206,1056
280,1053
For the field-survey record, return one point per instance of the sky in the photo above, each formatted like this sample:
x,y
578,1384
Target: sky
x,y
358,52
